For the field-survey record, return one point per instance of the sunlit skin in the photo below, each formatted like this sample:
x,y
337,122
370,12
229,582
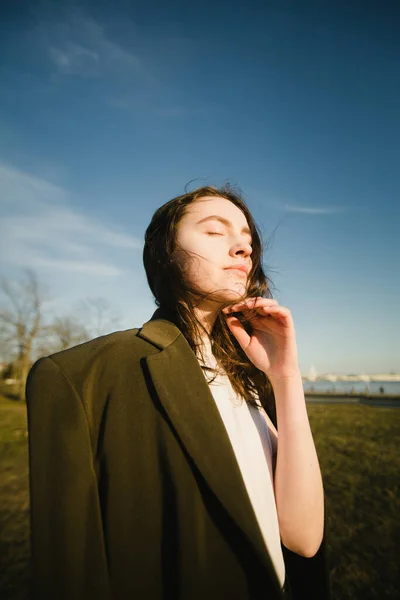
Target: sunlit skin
x,y
212,247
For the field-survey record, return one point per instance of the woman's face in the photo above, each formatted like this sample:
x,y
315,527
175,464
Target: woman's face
x,y
216,237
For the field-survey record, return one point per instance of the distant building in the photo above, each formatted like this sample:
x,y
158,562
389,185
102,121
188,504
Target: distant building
x,y
312,374
331,377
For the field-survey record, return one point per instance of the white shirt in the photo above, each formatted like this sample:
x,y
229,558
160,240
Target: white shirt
x,y
248,431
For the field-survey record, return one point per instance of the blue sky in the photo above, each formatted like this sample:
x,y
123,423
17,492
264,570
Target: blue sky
x,y
108,109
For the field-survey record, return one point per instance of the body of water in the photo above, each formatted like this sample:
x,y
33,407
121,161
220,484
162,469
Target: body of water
x,y
369,387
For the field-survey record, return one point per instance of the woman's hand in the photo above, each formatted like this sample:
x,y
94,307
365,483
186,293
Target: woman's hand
x,y
272,345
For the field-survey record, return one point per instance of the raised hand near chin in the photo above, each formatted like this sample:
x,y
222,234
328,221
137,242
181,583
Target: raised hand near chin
x,y
271,346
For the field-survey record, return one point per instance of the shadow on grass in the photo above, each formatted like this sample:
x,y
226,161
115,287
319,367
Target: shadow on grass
x,y
15,563
10,392
358,452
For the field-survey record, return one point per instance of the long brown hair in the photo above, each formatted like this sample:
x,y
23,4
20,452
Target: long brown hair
x,y
175,297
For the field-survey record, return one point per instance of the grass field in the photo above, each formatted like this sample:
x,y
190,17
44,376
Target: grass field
x,y
358,447
14,501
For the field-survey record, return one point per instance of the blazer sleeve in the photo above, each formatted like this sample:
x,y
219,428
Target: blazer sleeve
x,y
67,543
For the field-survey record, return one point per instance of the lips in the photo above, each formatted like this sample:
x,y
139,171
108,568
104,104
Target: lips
x,y
242,268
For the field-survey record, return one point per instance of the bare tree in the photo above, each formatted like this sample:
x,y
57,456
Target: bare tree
x,y
69,332
21,321
7,350
91,318
24,336
62,333
99,316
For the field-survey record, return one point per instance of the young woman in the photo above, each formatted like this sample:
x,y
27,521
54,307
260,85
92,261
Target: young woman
x,y
156,466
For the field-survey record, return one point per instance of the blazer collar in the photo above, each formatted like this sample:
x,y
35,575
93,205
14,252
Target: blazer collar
x,y
184,392
160,330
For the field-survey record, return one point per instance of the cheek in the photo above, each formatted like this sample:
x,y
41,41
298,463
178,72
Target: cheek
x,y
200,272
199,255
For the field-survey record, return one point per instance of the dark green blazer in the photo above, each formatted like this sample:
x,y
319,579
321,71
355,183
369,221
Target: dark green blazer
x,y
134,487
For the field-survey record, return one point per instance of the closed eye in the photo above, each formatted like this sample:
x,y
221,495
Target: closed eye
x,y
216,233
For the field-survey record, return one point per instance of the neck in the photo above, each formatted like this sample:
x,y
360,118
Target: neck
x,y
206,316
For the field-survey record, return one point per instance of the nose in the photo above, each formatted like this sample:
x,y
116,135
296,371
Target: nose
x,y
241,249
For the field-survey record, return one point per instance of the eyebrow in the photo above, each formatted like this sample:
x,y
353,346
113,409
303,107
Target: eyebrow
x,y
224,221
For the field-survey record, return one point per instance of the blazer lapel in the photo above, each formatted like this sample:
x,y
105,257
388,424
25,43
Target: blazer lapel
x,y
184,392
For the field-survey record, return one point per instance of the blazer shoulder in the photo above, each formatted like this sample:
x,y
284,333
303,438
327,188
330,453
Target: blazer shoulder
x,y
96,371
113,349
90,376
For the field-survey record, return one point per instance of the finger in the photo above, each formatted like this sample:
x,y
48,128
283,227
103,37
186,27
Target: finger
x,y
278,312
252,311
238,331
250,304
276,309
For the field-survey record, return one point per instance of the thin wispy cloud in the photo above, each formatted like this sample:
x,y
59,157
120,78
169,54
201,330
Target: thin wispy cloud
x,y
86,267
24,189
178,112
121,59
317,210
73,58
41,229
80,46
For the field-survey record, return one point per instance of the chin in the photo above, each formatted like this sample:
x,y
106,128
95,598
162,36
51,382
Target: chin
x,y
232,294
